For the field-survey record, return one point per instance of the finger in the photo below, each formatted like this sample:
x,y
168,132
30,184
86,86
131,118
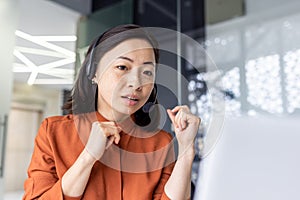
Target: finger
x,y
177,112
109,123
108,131
109,142
112,137
184,119
172,117
176,109
117,137
117,131
114,133
178,119
183,122
183,107
118,127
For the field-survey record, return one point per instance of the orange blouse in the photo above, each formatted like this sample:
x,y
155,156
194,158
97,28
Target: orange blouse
x,y
137,168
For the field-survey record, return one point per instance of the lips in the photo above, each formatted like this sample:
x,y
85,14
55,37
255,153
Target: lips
x,y
131,99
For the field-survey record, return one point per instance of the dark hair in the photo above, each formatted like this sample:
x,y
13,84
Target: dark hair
x,y
84,94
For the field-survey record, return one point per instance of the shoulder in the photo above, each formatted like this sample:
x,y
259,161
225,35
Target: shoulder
x,y
57,121
67,125
54,125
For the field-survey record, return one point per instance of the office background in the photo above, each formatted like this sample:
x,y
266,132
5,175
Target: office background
x,y
253,45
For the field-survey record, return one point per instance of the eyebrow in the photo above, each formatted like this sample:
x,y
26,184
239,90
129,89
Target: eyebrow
x,y
130,60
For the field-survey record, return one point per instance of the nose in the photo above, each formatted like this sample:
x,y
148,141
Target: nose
x,y
135,85
134,81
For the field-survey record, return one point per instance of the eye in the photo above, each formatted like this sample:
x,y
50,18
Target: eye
x,y
148,73
122,67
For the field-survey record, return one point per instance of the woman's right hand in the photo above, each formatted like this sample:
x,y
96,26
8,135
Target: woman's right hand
x,y
102,135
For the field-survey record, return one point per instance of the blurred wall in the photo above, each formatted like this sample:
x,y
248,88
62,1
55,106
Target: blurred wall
x,y
8,17
258,58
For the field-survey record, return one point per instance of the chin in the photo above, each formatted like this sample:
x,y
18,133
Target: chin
x,y
125,111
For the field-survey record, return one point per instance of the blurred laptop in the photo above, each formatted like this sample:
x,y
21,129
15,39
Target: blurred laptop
x,y
256,158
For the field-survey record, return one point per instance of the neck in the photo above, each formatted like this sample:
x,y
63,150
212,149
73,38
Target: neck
x,y
113,116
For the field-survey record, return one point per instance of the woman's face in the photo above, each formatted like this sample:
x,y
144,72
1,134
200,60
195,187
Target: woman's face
x,y
125,77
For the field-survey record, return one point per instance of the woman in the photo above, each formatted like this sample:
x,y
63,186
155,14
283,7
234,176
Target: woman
x,y
111,146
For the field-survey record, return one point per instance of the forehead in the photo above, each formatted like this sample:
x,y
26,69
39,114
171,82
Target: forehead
x,y
128,47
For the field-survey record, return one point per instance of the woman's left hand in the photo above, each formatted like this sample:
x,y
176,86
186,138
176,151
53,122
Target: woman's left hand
x,y
186,125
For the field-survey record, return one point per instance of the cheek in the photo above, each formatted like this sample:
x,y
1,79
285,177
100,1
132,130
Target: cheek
x,y
108,79
106,85
148,89
111,86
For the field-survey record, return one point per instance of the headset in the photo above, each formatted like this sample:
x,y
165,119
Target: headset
x,y
91,58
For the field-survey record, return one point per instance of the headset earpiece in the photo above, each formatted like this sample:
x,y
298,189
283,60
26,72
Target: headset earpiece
x,y
91,59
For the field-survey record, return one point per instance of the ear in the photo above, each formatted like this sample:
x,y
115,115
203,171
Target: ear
x,y
94,80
